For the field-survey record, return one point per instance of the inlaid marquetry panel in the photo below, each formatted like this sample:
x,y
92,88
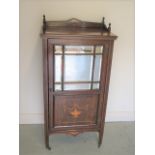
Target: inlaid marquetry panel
x,y
75,110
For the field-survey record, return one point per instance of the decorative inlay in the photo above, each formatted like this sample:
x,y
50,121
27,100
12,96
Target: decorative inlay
x,y
75,113
73,133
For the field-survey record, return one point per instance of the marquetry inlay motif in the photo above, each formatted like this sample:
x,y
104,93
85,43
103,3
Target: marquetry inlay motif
x,y
75,110
75,113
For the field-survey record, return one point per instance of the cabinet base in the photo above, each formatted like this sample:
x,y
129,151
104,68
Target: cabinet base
x,y
100,137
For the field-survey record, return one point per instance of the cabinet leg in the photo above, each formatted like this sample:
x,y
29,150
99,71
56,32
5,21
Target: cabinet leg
x,y
47,142
100,138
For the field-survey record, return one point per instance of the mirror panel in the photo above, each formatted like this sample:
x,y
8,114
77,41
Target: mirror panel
x,y
78,67
97,67
96,86
99,49
79,49
58,49
58,68
57,87
76,86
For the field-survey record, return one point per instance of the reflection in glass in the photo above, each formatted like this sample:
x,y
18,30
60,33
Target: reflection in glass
x,y
57,87
78,68
58,49
58,68
79,49
97,67
76,86
96,86
99,49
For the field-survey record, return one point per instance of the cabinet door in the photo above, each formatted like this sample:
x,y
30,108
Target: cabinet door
x,y
75,81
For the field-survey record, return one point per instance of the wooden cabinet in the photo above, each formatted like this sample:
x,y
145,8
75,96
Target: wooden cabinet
x,y
77,57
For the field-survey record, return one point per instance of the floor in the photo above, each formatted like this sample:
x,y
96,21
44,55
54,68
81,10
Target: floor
x,y
118,140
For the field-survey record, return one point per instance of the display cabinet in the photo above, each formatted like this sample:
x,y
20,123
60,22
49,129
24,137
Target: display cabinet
x,y
77,58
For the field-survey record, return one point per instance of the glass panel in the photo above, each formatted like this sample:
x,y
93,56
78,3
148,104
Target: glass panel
x,y
96,86
97,67
58,68
99,49
58,49
76,86
57,87
79,49
78,67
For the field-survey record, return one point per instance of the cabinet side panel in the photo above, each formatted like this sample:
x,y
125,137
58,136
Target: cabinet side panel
x,y
50,81
103,81
107,80
45,84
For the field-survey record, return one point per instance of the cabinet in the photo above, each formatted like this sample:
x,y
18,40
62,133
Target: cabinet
x,y
77,57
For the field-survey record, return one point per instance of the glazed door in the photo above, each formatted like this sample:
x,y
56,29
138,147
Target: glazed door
x,y
75,75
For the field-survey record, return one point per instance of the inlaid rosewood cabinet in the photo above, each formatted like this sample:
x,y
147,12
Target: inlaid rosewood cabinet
x,y
77,57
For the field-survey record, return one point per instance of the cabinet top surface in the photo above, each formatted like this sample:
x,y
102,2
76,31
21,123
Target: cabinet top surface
x,y
76,27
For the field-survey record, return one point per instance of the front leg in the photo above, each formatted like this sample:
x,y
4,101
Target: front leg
x,y
47,142
100,137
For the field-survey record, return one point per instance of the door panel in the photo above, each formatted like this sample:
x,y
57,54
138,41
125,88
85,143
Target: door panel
x,y
75,110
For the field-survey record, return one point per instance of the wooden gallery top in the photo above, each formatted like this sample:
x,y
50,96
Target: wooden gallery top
x,y
76,27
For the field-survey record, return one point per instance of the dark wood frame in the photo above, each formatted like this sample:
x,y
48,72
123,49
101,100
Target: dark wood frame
x,y
74,37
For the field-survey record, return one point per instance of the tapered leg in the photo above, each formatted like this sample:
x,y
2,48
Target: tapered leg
x,y
47,142
100,137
